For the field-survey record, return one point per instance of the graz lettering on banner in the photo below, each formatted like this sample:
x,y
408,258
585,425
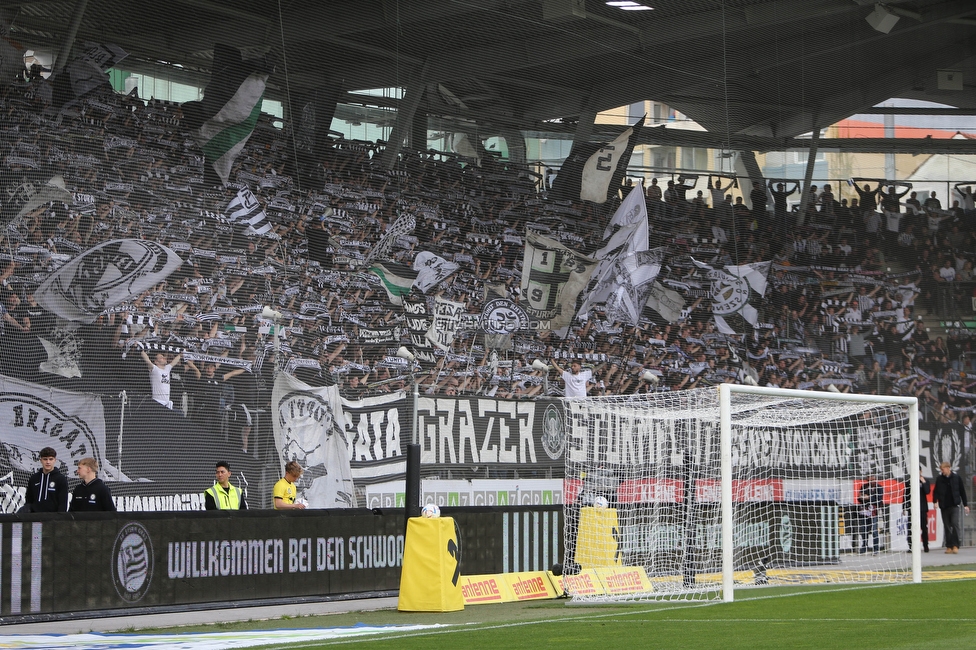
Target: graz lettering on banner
x,y
248,557
457,431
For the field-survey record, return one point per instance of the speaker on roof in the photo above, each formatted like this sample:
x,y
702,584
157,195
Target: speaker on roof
x,y
881,19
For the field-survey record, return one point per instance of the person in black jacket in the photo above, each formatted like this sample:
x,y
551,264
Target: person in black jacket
x,y
950,494
47,488
91,495
924,489
870,501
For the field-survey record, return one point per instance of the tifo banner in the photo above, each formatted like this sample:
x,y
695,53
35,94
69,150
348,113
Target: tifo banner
x,y
34,417
616,439
164,463
104,276
309,426
484,431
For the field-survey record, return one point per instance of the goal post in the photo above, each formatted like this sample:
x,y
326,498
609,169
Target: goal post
x,y
689,494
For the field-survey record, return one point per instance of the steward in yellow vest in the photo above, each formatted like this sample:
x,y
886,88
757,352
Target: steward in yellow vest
x,y
222,495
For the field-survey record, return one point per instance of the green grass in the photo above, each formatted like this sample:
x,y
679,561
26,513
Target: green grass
x,y
928,615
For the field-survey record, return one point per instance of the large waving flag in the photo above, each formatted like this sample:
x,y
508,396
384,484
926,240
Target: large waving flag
x,y
104,276
53,190
552,278
404,225
11,57
734,289
397,280
431,270
667,302
84,73
593,171
626,234
244,209
633,276
223,121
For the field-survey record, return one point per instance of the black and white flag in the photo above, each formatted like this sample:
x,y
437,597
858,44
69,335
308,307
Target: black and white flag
x,y
224,120
552,278
734,289
593,172
245,210
105,276
402,226
431,270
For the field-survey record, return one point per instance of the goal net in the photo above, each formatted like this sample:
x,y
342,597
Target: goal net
x,y
689,494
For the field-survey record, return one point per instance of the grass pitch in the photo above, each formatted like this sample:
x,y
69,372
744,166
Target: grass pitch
x,y
934,614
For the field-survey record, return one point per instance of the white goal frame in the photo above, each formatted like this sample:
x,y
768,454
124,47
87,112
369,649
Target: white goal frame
x,y
725,392
667,493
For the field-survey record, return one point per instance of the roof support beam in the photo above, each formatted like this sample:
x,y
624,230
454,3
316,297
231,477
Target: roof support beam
x,y
69,38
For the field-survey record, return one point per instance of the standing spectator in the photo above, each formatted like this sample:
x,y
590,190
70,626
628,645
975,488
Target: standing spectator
x,y
932,203
827,202
924,489
868,198
654,195
91,495
285,491
891,200
950,494
780,206
159,376
672,200
946,281
222,495
717,192
576,380
912,203
968,204
47,488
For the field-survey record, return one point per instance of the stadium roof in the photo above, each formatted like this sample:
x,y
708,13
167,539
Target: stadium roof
x,y
746,70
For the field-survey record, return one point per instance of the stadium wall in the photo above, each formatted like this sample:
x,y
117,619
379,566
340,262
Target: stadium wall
x,y
56,565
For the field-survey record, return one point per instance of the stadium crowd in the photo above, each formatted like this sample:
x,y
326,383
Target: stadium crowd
x,y
834,315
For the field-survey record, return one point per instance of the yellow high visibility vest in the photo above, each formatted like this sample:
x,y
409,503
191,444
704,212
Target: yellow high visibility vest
x,y
225,500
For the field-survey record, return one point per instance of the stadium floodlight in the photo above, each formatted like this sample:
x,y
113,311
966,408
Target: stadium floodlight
x,y
705,485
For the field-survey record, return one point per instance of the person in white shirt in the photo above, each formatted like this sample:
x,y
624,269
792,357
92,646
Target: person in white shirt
x,y
159,373
948,271
576,380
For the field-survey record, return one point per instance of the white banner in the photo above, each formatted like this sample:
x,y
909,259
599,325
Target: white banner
x,y
309,426
34,417
104,276
446,322
431,269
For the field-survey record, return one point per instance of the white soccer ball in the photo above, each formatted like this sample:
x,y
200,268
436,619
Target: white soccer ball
x,y
601,502
431,511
